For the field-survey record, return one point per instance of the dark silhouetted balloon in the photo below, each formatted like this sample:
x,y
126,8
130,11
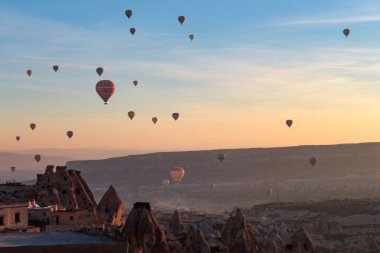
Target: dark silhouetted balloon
x,y
128,13
154,119
29,72
18,138
32,126
181,19
313,161
37,157
177,173
99,70
135,83
132,31
13,169
175,115
131,114
289,122
221,157
70,134
105,89
191,37
55,68
346,32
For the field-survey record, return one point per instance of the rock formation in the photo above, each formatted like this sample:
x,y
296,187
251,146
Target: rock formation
x,y
143,231
195,242
300,242
237,236
111,208
176,224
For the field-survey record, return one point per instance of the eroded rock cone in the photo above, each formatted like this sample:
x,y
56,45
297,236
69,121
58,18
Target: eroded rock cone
x,y
176,224
195,242
143,231
300,242
111,208
237,237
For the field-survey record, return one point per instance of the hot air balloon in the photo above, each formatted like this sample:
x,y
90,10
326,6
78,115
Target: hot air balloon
x,y
154,119
377,176
289,122
13,169
128,13
346,32
269,192
70,134
37,157
99,70
55,68
221,157
177,174
191,37
132,31
33,126
212,187
131,114
313,161
181,19
29,72
105,89
135,83
165,182
18,138
175,115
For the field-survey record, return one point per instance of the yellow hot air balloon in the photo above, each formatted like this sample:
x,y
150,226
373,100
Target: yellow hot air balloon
x,y
177,173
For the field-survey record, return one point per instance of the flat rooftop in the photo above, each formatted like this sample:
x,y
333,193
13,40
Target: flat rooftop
x,y
49,238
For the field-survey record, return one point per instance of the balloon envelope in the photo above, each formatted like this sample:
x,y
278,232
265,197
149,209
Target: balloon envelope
x,y
377,176
175,115
29,72
313,161
346,32
105,89
13,169
132,31
70,134
165,182
269,192
289,122
191,37
221,157
33,126
18,138
177,173
154,120
181,19
131,114
37,157
135,82
99,71
212,187
55,68
128,13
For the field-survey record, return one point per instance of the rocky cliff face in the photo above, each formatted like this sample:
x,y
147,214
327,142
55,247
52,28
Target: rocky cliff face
x,y
176,224
143,231
111,208
64,188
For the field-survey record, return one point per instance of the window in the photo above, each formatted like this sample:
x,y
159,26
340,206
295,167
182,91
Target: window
x,y
1,221
44,214
77,191
64,192
17,217
71,218
29,215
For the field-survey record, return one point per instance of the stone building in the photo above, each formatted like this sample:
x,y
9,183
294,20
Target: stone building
x,y
111,209
13,216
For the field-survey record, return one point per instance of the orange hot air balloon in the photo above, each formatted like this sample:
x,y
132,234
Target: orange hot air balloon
x,y
289,122
131,114
135,83
181,19
128,13
377,176
177,174
29,72
32,126
105,89
55,68
13,169
70,134
99,70
132,31
154,119
18,138
175,115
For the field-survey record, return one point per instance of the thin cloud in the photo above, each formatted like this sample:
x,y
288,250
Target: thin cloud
x,y
324,21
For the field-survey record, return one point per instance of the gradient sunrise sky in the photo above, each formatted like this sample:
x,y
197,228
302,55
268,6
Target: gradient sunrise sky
x,y
253,64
